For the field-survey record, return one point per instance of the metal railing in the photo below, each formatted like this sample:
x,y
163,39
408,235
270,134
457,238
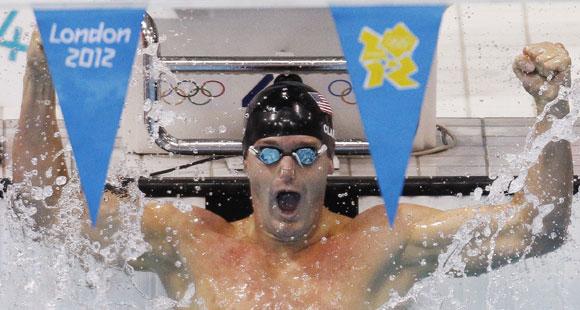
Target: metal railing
x,y
169,143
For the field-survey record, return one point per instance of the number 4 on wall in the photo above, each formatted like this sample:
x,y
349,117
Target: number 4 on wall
x,y
14,45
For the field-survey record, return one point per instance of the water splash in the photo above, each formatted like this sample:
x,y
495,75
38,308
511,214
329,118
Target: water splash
x,y
510,286
60,266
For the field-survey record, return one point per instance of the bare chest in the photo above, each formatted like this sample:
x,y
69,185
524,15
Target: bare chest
x,y
258,279
242,275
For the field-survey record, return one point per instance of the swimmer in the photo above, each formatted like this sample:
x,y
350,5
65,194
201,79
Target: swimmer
x,y
294,253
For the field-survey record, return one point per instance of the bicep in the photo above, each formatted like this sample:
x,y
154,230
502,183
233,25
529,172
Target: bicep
x,y
166,228
159,223
384,246
122,223
472,239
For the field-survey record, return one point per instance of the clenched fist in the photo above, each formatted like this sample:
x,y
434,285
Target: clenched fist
x,y
543,68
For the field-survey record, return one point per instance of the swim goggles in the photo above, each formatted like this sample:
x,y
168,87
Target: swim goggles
x,y
304,156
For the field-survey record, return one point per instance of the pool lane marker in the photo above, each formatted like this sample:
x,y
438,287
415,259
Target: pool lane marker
x,y
389,51
90,55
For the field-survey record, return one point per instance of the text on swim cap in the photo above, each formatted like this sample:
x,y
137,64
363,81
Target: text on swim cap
x,y
328,130
89,57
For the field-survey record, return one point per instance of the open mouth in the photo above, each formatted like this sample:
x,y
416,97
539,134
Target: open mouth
x,y
288,202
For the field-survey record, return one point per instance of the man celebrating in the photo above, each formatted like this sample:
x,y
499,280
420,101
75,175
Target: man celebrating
x,y
292,252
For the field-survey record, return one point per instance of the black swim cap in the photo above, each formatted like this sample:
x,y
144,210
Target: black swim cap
x,y
289,107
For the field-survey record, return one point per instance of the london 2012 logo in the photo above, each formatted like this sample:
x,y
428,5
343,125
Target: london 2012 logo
x,y
389,57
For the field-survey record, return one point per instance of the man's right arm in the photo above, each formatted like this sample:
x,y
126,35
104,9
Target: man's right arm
x,y
39,161
37,156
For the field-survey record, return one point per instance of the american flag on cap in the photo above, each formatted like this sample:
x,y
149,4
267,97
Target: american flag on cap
x,y
323,104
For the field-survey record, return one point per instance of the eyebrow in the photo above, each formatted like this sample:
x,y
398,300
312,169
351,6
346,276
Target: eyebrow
x,y
269,143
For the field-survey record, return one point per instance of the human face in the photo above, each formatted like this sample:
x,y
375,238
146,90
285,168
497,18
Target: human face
x,y
287,198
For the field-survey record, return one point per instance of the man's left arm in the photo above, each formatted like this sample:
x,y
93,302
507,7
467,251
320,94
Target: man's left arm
x,y
536,220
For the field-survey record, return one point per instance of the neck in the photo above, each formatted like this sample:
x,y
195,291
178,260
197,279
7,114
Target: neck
x,y
273,244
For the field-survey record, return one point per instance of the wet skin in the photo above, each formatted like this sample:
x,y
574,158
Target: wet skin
x,y
304,255
311,258
314,258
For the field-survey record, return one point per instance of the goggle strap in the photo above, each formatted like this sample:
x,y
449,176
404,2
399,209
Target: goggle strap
x,y
297,159
253,150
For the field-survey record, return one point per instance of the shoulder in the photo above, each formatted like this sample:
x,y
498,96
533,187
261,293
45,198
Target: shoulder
x,y
407,214
334,222
413,213
160,215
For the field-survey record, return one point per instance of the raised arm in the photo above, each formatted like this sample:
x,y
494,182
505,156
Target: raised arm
x,y
475,240
543,68
39,160
37,155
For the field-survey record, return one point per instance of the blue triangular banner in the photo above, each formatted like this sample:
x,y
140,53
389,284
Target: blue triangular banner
x,y
389,51
90,54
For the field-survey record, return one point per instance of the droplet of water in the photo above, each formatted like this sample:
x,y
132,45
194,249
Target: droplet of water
x,y
30,287
147,105
60,180
37,193
47,191
48,173
209,130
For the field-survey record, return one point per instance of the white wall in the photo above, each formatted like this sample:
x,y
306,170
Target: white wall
x,y
12,71
476,45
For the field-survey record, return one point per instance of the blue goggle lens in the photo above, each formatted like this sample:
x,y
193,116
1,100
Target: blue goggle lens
x,y
305,156
269,155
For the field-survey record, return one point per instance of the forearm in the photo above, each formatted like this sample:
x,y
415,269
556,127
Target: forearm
x,y
37,153
37,143
550,180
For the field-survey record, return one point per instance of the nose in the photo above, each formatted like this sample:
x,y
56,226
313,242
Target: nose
x,y
287,168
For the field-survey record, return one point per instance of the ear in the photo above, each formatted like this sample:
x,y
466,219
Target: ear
x,y
330,166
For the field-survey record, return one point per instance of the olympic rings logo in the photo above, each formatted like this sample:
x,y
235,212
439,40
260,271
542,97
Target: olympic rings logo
x,y
341,88
188,89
